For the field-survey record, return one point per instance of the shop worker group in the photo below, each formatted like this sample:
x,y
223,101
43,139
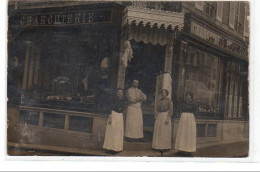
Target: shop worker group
x,y
129,105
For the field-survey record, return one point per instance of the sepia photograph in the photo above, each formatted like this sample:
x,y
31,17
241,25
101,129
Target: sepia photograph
x,y
128,78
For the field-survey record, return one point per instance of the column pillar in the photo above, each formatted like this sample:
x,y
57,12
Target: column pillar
x,y
181,73
41,119
121,74
26,64
31,67
37,67
224,89
168,58
121,68
66,124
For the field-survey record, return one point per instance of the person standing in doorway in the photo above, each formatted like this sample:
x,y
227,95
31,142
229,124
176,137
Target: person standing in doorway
x,y
186,133
162,126
114,136
134,116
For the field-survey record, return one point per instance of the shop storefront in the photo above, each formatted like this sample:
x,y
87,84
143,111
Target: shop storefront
x,y
72,60
216,63
66,62
67,55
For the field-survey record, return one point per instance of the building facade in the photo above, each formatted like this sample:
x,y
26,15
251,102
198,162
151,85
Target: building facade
x,y
65,60
214,57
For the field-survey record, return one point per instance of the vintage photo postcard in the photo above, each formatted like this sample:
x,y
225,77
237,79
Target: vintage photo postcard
x,y
128,78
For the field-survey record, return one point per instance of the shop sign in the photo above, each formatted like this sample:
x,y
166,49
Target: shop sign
x,y
217,39
60,18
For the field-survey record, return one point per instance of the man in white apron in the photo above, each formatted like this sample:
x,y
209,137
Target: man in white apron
x,y
134,116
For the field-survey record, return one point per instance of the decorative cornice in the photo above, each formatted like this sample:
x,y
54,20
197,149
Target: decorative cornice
x,y
152,17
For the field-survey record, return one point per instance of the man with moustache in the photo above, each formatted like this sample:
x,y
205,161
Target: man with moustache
x,y
134,116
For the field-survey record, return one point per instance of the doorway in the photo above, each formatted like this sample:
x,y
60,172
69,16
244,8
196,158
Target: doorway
x,y
147,63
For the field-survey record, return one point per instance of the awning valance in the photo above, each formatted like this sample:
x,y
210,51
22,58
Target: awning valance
x,y
151,26
152,17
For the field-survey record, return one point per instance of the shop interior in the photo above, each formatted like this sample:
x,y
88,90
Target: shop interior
x,y
147,63
72,72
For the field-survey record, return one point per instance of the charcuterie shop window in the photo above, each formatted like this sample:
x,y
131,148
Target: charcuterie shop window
x,y
72,73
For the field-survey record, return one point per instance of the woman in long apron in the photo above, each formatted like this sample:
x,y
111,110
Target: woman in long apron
x,y
114,136
162,126
186,134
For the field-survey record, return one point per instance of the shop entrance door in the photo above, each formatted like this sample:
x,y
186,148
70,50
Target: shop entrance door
x,y
148,62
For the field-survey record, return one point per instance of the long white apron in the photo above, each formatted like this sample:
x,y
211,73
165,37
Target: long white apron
x,y
162,132
186,133
134,121
114,136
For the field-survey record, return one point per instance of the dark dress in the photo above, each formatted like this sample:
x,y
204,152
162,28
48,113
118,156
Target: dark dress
x,y
117,105
188,107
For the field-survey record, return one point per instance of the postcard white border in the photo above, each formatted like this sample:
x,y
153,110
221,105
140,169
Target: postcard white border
x,y
70,163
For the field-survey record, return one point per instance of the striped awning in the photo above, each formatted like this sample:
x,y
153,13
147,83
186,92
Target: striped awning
x,y
151,26
152,17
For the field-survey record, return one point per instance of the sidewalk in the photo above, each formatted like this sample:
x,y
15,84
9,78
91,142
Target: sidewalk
x,y
132,149
225,149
